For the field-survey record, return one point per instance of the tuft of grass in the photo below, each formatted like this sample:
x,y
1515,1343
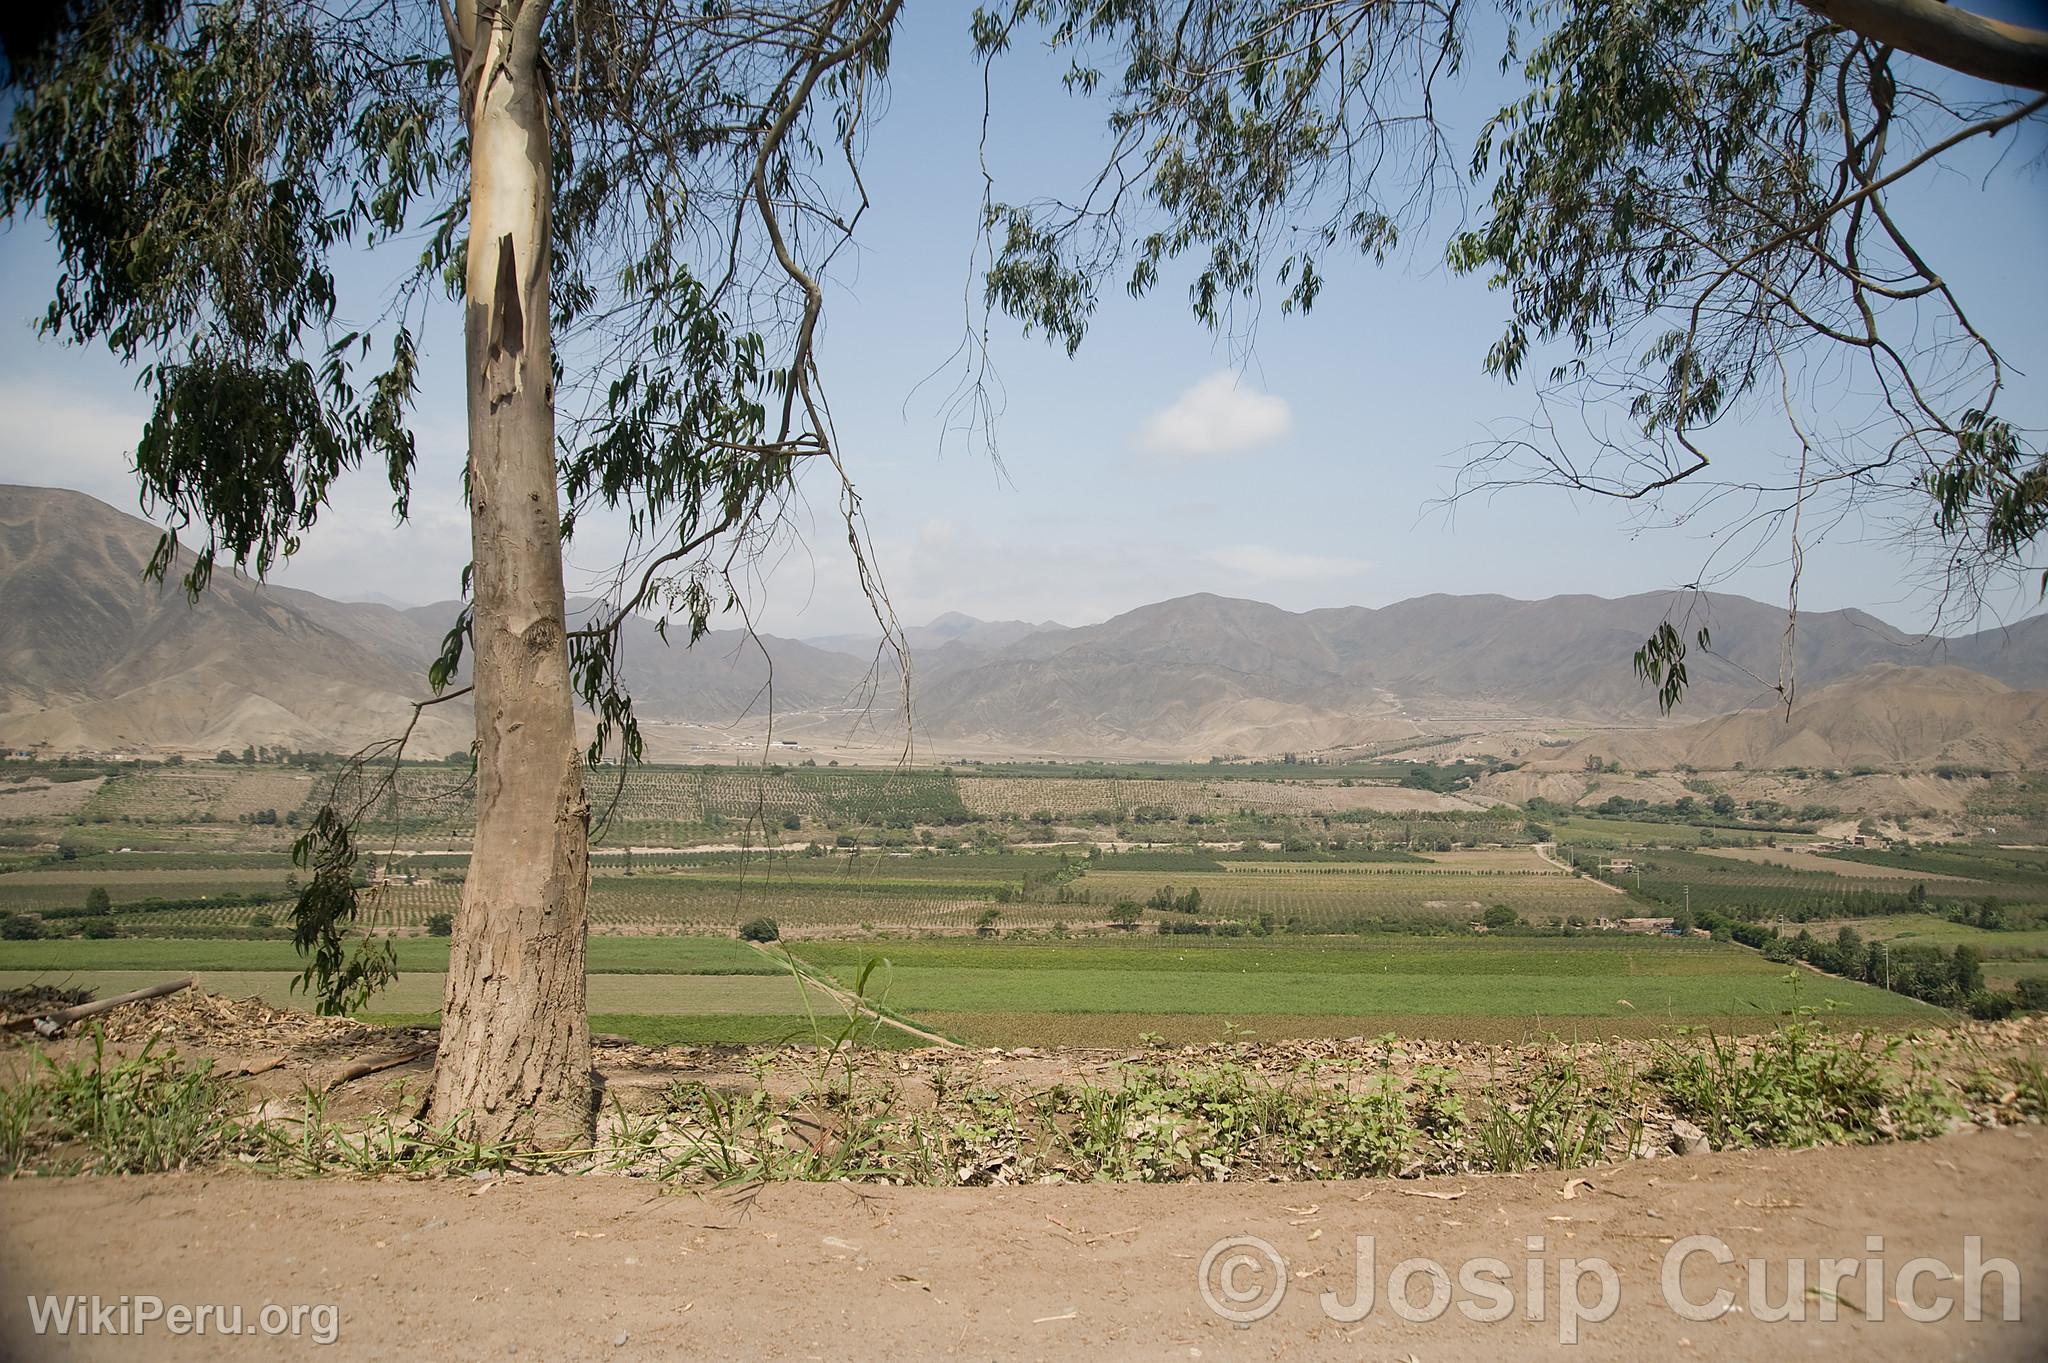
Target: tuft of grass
x,y
389,1144
150,1114
1803,1086
1563,1120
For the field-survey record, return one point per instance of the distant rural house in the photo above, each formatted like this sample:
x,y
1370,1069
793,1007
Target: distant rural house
x,y
1620,865
1647,924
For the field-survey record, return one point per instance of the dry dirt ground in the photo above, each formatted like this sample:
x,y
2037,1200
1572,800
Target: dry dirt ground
x,y
610,1268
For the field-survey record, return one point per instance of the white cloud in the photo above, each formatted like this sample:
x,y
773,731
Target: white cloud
x,y
1221,415
1278,565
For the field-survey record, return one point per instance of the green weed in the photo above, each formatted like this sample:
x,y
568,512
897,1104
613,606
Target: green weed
x,y
149,1114
1802,1086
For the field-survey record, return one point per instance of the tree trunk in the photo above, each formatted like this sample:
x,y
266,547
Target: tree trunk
x,y
514,1062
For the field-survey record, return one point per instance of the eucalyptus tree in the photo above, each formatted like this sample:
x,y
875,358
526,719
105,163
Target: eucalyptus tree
x,y
632,200
1691,208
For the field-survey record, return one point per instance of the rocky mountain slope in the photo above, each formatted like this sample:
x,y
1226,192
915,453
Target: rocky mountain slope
x,y
1884,716
90,656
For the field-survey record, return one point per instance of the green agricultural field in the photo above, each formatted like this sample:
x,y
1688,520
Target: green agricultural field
x,y
1927,928
711,1029
2008,974
655,990
1318,897
1108,993
1095,992
925,891
203,859
658,991
67,886
2006,867
682,902
607,956
712,894
1603,832
1748,889
780,995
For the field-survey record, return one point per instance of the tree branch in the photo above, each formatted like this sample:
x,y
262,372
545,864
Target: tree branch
x,y
2002,53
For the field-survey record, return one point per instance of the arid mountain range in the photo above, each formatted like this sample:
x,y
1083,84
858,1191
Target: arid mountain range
x,y
93,657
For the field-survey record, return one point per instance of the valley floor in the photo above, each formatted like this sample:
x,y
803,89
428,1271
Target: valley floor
x,y
564,1268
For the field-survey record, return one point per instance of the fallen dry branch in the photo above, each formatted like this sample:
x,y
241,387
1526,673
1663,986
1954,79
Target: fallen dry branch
x,y
51,1023
362,1069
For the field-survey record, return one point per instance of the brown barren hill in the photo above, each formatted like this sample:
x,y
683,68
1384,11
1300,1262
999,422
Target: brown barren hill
x,y
1884,716
92,656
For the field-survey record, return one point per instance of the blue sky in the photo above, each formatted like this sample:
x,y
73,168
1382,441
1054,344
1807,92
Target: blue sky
x,y
1160,461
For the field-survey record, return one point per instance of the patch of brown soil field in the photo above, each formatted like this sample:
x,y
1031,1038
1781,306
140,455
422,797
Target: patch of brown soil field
x,y
1525,784
564,1268
1793,857
40,799
1328,795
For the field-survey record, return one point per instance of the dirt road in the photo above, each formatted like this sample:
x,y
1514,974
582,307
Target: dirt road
x,y
1548,851
610,1268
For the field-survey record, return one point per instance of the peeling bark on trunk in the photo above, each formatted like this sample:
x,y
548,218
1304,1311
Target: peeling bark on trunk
x,y
514,1062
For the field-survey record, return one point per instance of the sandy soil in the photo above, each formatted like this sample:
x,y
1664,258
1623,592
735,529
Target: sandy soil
x,y
561,1268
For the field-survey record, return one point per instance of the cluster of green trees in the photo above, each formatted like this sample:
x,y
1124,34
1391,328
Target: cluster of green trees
x,y
1946,977
1441,779
1951,978
20,927
1264,925
256,754
1761,815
